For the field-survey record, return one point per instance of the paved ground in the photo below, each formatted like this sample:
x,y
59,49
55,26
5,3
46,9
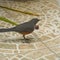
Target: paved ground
x,y
11,45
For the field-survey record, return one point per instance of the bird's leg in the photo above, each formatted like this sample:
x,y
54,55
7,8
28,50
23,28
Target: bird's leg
x,y
24,36
26,40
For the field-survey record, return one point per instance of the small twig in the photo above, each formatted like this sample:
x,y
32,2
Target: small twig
x,y
25,12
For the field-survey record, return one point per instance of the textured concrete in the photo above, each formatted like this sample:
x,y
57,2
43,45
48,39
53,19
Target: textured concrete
x,y
44,43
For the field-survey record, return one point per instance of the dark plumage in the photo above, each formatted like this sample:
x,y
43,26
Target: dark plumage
x,y
24,28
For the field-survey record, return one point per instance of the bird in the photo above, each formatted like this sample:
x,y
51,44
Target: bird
x,y
23,28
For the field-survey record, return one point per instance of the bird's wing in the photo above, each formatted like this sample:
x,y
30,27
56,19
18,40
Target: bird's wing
x,y
25,27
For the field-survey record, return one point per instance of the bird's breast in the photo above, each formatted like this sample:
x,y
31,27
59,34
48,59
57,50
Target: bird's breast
x,y
25,33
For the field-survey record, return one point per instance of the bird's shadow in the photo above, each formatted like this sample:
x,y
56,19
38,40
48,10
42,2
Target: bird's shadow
x,y
18,40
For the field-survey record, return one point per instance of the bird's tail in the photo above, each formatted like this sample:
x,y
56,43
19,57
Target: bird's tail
x,y
6,30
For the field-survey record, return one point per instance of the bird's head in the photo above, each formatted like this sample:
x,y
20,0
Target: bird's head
x,y
34,20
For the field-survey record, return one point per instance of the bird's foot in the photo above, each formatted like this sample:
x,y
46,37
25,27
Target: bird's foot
x,y
26,40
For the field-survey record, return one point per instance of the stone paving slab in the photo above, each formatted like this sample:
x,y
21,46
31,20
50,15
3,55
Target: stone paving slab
x,y
44,43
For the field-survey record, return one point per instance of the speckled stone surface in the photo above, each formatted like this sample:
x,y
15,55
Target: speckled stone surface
x,y
11,45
